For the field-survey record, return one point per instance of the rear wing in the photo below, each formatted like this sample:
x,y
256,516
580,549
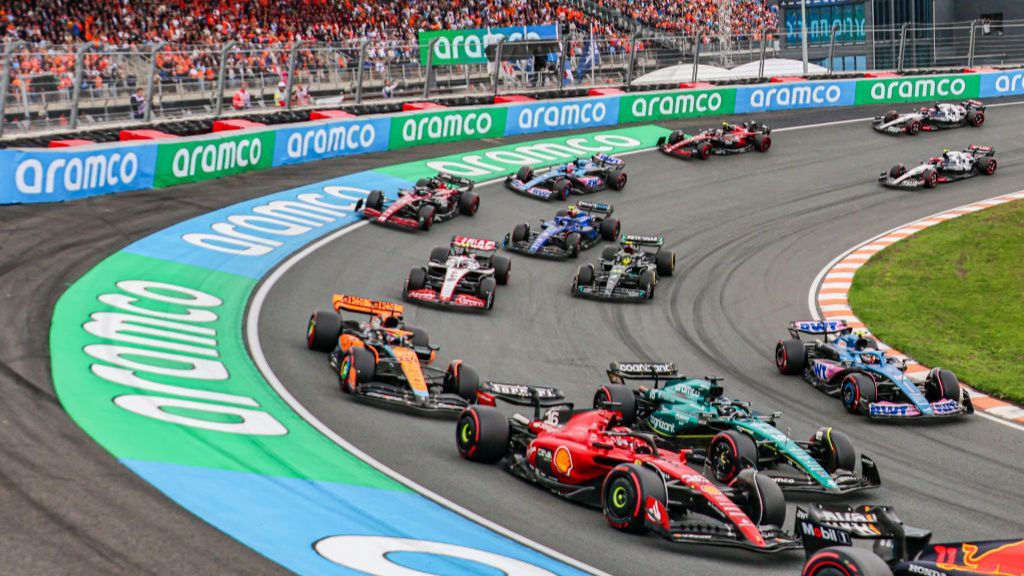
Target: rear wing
x,y
459,181
522,395
478,244
596,208
973,104
620,372
820,526
980,150
642,239
606,160
360,305
815,327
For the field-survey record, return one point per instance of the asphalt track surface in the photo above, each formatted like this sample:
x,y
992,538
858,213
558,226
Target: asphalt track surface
x,y
69,508
751,233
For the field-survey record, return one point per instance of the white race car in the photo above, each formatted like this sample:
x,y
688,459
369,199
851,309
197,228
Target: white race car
x,y
462,275
951,166
939,117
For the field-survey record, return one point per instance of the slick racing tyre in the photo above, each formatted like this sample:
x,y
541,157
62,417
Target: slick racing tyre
x,y
704,150
930,178
975,118
420,338
676,137
525,174
617,180
462,380
858,391
624,496
833,450
502,268
609,252
585,275
486,291
521,232
562,189
987,166
416,281
573,244
482,434
790,357
439,254
765,505
942,385
357,367
375,200
914,127
845,561
323,331
618,398
647,283
762,142
610,229
425,216
890,116
469,203
729,453
665,262
897,171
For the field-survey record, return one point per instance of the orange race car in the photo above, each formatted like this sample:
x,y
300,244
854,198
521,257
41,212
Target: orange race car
x,y
385,361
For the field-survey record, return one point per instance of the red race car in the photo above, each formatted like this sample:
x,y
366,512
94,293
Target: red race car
x,y
432,200
729,139
588,457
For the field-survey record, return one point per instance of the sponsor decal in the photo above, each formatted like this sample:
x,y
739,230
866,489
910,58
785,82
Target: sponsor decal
x,y
1001,84
915,89
879,409
562,461
447,126
550,116
641,238
330,139
676,104
825,533
209,158
468,46
787,96
946,407
661,425
55,176
475,243
918,569
816,327
468,301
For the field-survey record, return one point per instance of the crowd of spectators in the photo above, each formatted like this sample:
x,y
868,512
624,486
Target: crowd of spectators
x,y
262,27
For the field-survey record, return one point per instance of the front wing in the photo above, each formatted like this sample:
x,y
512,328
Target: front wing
x,y
437,405
432,297
702,532
907,410
847,482
619,293
514,184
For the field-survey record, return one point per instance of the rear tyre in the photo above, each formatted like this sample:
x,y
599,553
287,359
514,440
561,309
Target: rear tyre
x,y
665,262
835,450
525,174
942,385
482,434
375,200
790,357
502,268
573,244
704,150
914,127
609,229
562,189
617,180
845,561
765,505
486,291
858,390
975,118
416,281
323,331
425,215
439,254
618,398
462,380
987,166
762,142
647,282
357,367
729,453
469,203
624,496
897,171
521,232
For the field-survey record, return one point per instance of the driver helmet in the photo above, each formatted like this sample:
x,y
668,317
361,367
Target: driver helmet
x,y
390,322
945,154
861,343
869,358
458,250
628,248
572,211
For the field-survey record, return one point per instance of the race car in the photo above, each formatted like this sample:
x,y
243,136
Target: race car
x,y
628,272
942,116
843,363
461,275
949,167
729,139
436,199
576,177
385,362
571,231
829,534
588,457
692,414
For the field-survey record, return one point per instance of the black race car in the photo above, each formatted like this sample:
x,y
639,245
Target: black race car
x,y
729,139
949,167
628,272
942,116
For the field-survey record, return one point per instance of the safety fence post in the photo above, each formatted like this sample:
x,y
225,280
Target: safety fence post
x,y
5,82
76,94
219,105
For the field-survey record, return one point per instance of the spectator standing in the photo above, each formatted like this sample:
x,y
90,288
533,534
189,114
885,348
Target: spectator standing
x,y
388,91
242,100
138,104
279,95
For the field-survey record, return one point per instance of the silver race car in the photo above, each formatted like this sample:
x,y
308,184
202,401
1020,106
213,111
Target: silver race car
x,y
949,167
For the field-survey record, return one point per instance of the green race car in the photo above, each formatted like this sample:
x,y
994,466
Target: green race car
x,y
692,414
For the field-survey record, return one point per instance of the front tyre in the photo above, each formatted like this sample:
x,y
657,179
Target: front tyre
x,y
358,367
573,244
425,216
942,385
624,495
834,450
462,380
858,390
502,268
729,453
765,505
647,283
482,434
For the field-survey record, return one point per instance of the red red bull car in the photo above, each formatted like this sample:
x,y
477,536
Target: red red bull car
x,y
829,532
590,458
462,275
436,199
729,139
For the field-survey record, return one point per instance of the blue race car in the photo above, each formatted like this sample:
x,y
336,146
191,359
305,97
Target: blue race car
x,y
572,230
843,363
577,177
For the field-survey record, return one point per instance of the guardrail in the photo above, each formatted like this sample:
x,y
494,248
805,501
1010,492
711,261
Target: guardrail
x,y
45,175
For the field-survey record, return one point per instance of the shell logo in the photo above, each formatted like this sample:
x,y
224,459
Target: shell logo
x,y
562,462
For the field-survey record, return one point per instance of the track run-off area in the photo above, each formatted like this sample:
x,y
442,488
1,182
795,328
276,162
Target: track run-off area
x,y
751,233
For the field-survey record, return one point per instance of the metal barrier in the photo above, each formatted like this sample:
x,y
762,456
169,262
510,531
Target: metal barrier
x,y
92,85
